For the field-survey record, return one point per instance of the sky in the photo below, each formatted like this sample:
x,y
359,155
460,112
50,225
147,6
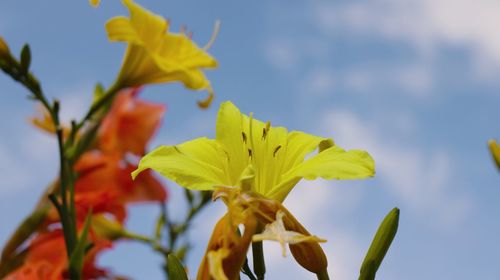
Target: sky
x,y
413,82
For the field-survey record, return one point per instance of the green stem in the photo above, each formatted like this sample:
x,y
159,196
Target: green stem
x,y
246,270
323,275
259,264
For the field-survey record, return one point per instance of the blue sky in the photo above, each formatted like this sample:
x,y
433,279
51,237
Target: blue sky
x,y
413,82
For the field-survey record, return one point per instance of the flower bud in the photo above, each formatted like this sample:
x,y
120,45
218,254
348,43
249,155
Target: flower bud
x,y
4,48
380,244
107,228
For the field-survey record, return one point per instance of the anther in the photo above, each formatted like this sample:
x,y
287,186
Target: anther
x,y
250,152
265,130
276,150
244,137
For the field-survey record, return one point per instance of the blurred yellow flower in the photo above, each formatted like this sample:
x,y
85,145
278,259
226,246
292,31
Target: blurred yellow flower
x,y
94,3
495,151
155,55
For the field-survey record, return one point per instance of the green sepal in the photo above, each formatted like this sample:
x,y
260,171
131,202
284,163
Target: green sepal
x,y
380,245
175,270
78,254
99,93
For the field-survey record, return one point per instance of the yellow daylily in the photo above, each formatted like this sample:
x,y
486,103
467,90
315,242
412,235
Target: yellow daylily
x,y
155,55
243,145
252,167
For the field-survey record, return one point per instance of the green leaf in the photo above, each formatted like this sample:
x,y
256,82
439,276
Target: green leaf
x,y
380,245
24,231
77,256
25,58
11,264
175,269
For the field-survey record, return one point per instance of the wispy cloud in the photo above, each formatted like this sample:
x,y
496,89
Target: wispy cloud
x,y
426,24
418,177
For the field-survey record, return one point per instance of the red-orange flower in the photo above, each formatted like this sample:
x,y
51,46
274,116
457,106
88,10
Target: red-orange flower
x,y
46,259
130,124
104,184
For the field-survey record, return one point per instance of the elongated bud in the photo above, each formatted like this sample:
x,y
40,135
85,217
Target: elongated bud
x,y
380,244
495,152
25,58
107,228
4,48
175,269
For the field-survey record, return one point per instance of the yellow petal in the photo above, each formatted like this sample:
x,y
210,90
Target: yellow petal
x,y
119,29
150,28
332,163
336,163
194,164
229,133
215,259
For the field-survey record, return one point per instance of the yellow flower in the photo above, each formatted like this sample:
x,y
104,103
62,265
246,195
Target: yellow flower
x,y
243,146
155,55
252,167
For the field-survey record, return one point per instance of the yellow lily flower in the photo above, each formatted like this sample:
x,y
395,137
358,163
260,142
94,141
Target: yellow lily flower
x,y
244,145
252,167
155,55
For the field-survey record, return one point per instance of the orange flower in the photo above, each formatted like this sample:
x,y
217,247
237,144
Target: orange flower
x,y
104,184
46,259
44,121
130,124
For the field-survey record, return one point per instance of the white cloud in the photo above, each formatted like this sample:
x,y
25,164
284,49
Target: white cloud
x,y
281,54
419,178
320,82
28,163
424,23
413,79
75,100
